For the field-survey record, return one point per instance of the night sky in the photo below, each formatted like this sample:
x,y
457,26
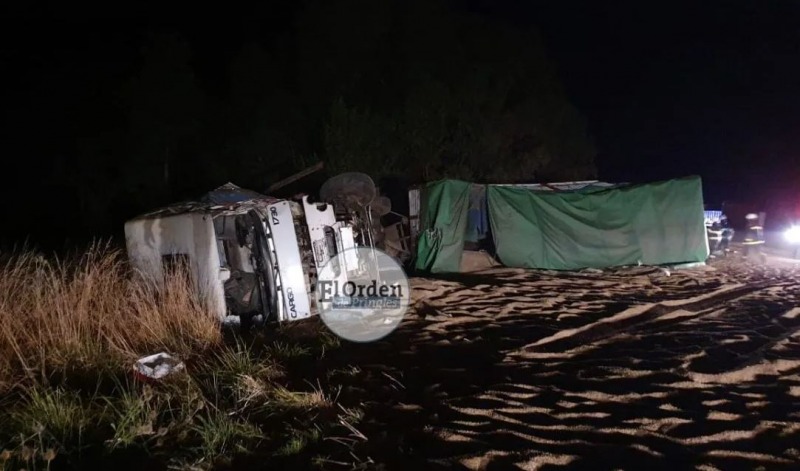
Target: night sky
x,y
668,88
675,88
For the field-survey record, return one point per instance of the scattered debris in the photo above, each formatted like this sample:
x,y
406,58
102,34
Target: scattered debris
x,y
691,265
157,366
429,312
476,261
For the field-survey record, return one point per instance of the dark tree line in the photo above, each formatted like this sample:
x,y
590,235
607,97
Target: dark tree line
x,y
415,89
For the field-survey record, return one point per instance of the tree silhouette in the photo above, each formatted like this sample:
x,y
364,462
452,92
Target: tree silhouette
x,y
414,90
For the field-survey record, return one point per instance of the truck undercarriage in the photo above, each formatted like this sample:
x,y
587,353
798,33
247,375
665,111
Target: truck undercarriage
x,y
255,258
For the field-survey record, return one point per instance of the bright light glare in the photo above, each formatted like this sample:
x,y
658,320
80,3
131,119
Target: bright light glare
x,y
793,234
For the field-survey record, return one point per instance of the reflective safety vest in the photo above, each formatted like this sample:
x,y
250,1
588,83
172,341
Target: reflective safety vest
x,y
714,235
754,236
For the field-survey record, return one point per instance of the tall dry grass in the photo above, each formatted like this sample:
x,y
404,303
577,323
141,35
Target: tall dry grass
x,y
91,313
70,330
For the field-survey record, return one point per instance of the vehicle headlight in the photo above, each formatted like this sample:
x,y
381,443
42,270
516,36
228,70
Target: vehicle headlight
x,y
792,234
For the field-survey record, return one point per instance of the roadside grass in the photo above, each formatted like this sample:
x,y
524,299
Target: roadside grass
x,y
287,351
70,331
221,435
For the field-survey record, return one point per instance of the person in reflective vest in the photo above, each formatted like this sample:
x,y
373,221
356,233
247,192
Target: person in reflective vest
x,y
754,237
727,232
719,236
714,231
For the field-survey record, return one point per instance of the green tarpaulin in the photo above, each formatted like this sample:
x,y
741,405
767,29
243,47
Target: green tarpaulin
x,y
443,223
653,224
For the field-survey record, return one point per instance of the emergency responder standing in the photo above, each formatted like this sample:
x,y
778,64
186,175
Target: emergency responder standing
x,y
754,237
714,232
727,233
719,236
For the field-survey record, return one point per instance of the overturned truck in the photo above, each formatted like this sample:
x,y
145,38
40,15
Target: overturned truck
x,y
254,258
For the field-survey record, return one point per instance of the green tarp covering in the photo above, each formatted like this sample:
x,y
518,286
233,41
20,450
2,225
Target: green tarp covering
x,y
653,224
443,223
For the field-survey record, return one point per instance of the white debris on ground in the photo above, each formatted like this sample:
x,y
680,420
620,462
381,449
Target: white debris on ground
x,y
158,366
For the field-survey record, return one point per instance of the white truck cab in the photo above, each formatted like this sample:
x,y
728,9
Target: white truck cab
x,y
252,258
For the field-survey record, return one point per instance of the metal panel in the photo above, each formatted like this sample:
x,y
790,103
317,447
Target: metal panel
x,y
191,235
317,220
346,244
290,263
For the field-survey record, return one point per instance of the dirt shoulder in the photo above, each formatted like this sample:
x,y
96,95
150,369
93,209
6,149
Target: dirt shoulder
x,y
628,368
